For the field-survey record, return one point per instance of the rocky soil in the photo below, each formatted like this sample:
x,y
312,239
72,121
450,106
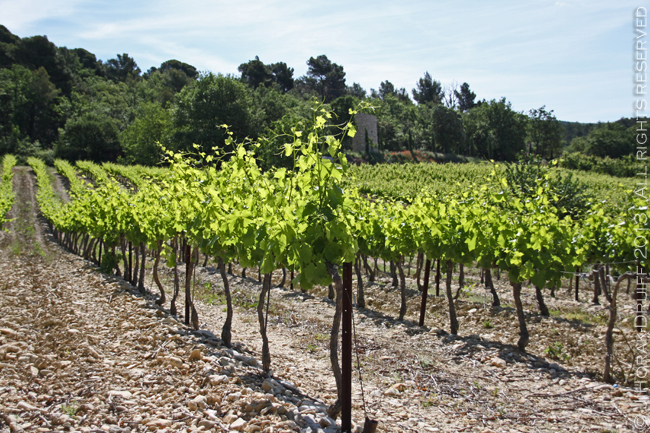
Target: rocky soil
x,y
83,351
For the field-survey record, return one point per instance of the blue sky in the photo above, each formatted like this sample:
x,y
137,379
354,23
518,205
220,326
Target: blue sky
x,y
573,56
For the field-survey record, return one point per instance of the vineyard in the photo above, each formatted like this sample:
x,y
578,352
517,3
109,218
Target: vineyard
x,y
477,266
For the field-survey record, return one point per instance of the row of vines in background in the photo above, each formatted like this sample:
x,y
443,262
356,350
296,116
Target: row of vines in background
x,y
6,187
313,218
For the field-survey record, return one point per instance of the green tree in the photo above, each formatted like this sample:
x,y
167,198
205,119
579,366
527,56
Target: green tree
x,y
139,141
495,131
611,140
89,136
465,98
28,105
396,118
175,65
89,61
356,90
255,74
341,108
448,130
8,43
36,52
122,68
428,91
282,76
544,133
388,88
325,77
214,100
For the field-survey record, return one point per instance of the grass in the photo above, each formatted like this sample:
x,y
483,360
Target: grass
x,y
70,409
556,351
578,315
206,293
479,299
426,363
488,324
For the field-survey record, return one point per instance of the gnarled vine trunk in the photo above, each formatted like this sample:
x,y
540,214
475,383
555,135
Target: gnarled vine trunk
x,y
156,280
453,321
523,330
143,252
461,280
136,268
402,288
227,325
127,271
490,284
266,290
177,288
393,273
438,277
418,269
596,283
543,309
604,284
369,270
335,409
609,334
191,315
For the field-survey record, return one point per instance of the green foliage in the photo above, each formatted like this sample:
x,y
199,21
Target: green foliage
x,y
397,117
448,130
544,133
406,181
141,141
325,78
569,196
428,91
174,65
89,136
109,261
495,131
281,133
70,409
556,351
626,166
213,101
612,141
465,98
122,69
255,74
28,102
488,324
6,187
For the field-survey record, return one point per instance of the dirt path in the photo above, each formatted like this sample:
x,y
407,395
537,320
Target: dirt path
x,y
82,351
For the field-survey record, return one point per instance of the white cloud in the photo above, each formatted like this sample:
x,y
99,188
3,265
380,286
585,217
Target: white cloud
x,y
19,15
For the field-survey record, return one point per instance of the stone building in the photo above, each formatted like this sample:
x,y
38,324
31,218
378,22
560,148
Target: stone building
x,y
365,123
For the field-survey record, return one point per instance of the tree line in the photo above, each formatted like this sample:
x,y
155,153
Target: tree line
x,y
57,102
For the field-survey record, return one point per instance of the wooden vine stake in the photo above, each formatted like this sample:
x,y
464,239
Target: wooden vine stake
x,y
346,351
